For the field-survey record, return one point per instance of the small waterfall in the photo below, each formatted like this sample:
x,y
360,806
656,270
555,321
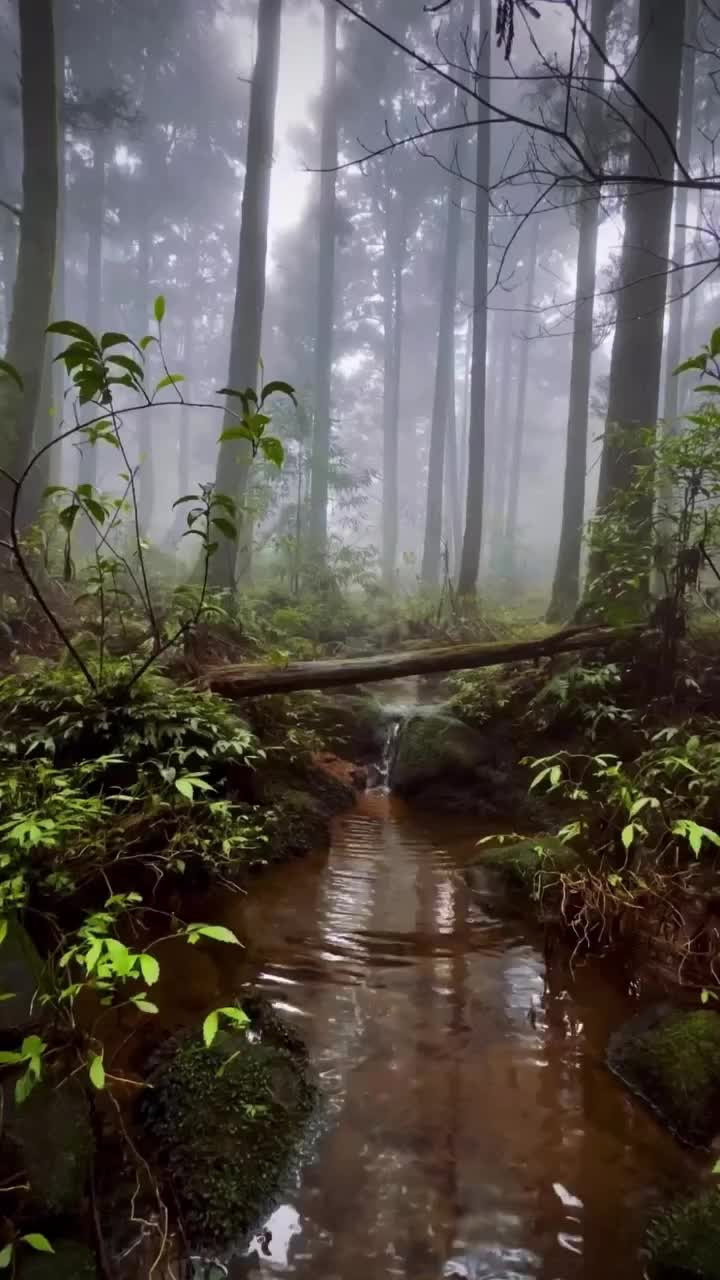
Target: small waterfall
x,y
389,751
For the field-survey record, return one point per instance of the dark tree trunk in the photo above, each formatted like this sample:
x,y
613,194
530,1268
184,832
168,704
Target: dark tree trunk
x,y
146,459
233,556
88,468
504,401
566,584
392,286
472,540
452,475
32,292
325,289
518,437
444,381
678,282
637,347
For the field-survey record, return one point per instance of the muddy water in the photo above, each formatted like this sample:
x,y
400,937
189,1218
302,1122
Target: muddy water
x,y
471,1128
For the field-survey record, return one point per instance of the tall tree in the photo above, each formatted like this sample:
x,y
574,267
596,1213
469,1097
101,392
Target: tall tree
x,y
566,584
393,262
472,540
518,435
325,285
32,292
637,347
233,459
444,377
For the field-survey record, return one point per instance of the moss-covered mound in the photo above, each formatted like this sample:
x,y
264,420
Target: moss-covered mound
x,y
672,1060
435,747
353,724
225,1122
684,1241
531,864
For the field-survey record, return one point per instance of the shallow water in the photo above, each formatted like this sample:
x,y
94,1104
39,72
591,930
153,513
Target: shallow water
x,y
471,1126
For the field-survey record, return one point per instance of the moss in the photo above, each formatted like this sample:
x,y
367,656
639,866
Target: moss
x,y
252,1099
70,1261
433,747
299,824
52,1132
353,724
532,863
684,1242
673,1061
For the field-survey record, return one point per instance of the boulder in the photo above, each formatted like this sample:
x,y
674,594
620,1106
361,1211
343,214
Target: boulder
x,y
530,864
53,1133
683,1242
352,724
671,1059
69,1261
21,974
435,748
253,1099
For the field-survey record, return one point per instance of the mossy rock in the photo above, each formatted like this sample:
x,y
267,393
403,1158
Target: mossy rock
x,y
69,1261
684,1241
226,1122
529,864
53,1133
352,724
672,1060
436,747
300,823
22,972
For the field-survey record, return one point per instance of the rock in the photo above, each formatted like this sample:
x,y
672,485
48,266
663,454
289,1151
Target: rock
x,y
70,1261
53,1133
225,1123
436,748
531,864
672,1060
684,1241
353,724
21,973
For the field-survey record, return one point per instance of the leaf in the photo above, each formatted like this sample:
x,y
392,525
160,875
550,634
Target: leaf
x,y
70,329
278,388
236,1015
210,1028
38,1242
3,931
708,388
217,932
704,998
114,340
132,366
697,362
23,1088
715,342
11,372
149,968
6,1255
225,526
68,515
97,1071
555,775
236,433
145,1006
170,381
273,450
185,787
10,1059
628,834
144,343
187,497
159,308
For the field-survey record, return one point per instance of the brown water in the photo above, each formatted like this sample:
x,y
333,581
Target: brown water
x,y
470,1120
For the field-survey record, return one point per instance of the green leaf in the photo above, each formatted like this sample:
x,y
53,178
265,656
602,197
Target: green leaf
x,y
97,1070
275,388
114,340
149,968
210,1028
273,450
69,329
3,931
170,380
704,997
697,362
38,1242
10,1059
628,834
159,308
6,1255
236,433
68,515
144,343
132,366
708,388
185,787
217,932
715,342
716,1167
11,372
187,497
23,1088
145,1006
225,526
236,1015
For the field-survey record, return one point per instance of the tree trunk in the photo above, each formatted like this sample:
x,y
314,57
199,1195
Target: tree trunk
x,y
637,347
472,540
146,459
233,556
511,518
88,468
32,292
249,680
392,274
452,475
444,380
506,368
676,302
566,584
325,288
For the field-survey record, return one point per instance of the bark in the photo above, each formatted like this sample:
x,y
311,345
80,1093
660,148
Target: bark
x,y
32,292
233,556
637,347
452,474
504,400
88,468
676,305
392,277
472,540
444,381
248,680
518,436
325,288
566,584
146,460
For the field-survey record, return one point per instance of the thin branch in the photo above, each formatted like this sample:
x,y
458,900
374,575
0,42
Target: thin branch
x,y
11,208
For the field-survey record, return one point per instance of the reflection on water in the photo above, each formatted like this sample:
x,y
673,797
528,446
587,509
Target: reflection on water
x,y
472,1130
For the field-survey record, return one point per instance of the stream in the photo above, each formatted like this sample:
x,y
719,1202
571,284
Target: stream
x,y
471,1127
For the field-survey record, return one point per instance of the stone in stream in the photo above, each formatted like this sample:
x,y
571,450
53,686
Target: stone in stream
x,y
671,1059
353,724
683,1242
432,747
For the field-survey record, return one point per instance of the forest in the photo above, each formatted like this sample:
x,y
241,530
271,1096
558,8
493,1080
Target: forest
x,y
359,639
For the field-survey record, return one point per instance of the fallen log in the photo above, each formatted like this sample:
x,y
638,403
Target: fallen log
x,y
249,680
